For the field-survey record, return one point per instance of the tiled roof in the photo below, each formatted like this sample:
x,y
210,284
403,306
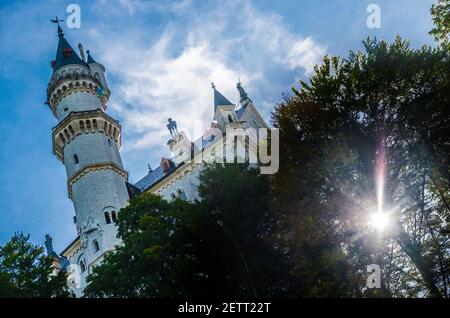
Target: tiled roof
x,y
153,177
65,54
219,99
158,174
90,60
132,190
240,111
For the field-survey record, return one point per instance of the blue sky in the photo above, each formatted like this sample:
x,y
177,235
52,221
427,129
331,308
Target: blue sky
x,y
160,59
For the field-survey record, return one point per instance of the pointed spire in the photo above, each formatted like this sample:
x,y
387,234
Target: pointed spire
x,y
57,20
65,54
60,31
219,99
90,59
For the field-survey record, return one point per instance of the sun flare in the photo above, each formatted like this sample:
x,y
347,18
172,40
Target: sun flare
x,y
379,220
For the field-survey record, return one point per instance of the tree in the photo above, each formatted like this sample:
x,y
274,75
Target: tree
x,y
211,248
26,272
391,102
440,13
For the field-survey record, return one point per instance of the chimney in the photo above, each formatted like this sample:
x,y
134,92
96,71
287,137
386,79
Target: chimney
x,y
80,47
166,165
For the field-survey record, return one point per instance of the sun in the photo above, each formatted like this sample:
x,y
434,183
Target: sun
x,y
380,220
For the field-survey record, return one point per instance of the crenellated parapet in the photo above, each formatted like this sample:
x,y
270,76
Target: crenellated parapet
x,y
85,122
74,78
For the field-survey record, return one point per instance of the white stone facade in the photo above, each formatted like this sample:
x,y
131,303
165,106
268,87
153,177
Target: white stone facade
x,y
87,142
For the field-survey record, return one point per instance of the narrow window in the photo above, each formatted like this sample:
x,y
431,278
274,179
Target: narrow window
x,y
75,159
96,246
72,131
107,218
82,267
94,123
230,119
180,194
82,126
88,125
113,216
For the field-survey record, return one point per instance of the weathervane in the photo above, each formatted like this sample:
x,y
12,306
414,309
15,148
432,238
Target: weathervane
x,y
56,20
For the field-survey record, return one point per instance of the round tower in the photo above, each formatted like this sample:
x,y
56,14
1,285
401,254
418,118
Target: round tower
x,y
87,141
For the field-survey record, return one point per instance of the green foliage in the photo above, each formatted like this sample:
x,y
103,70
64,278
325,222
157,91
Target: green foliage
x,y
25,271
330,132
216,247
441,19
305,233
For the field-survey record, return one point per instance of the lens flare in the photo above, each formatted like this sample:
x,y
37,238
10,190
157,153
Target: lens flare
x,y
380,171
379,220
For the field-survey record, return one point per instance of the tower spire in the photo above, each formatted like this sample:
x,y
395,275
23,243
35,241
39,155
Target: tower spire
x,y
57,20
65,54
90,59
219,99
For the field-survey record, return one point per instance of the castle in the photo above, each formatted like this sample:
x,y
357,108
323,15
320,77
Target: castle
x,y
87,141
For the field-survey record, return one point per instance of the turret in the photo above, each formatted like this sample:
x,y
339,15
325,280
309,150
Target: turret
x,y
87,141
98,71
224,112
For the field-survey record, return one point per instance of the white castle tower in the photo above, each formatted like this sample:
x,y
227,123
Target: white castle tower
x,y
87,142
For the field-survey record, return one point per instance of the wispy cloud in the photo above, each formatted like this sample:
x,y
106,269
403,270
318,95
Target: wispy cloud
x,y
132,7
170,77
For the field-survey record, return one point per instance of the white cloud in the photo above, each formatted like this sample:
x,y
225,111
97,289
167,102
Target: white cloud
x,y
268,34
131,7
171,77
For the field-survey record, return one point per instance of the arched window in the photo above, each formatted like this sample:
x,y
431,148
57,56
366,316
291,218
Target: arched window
x,y
75,159
72,131
107,218
113,216
82,267
180,194
82,126
95,246
230,118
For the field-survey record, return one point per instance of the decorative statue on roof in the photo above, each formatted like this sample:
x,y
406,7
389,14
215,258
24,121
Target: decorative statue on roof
x,y
242,92
49,246
172,126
